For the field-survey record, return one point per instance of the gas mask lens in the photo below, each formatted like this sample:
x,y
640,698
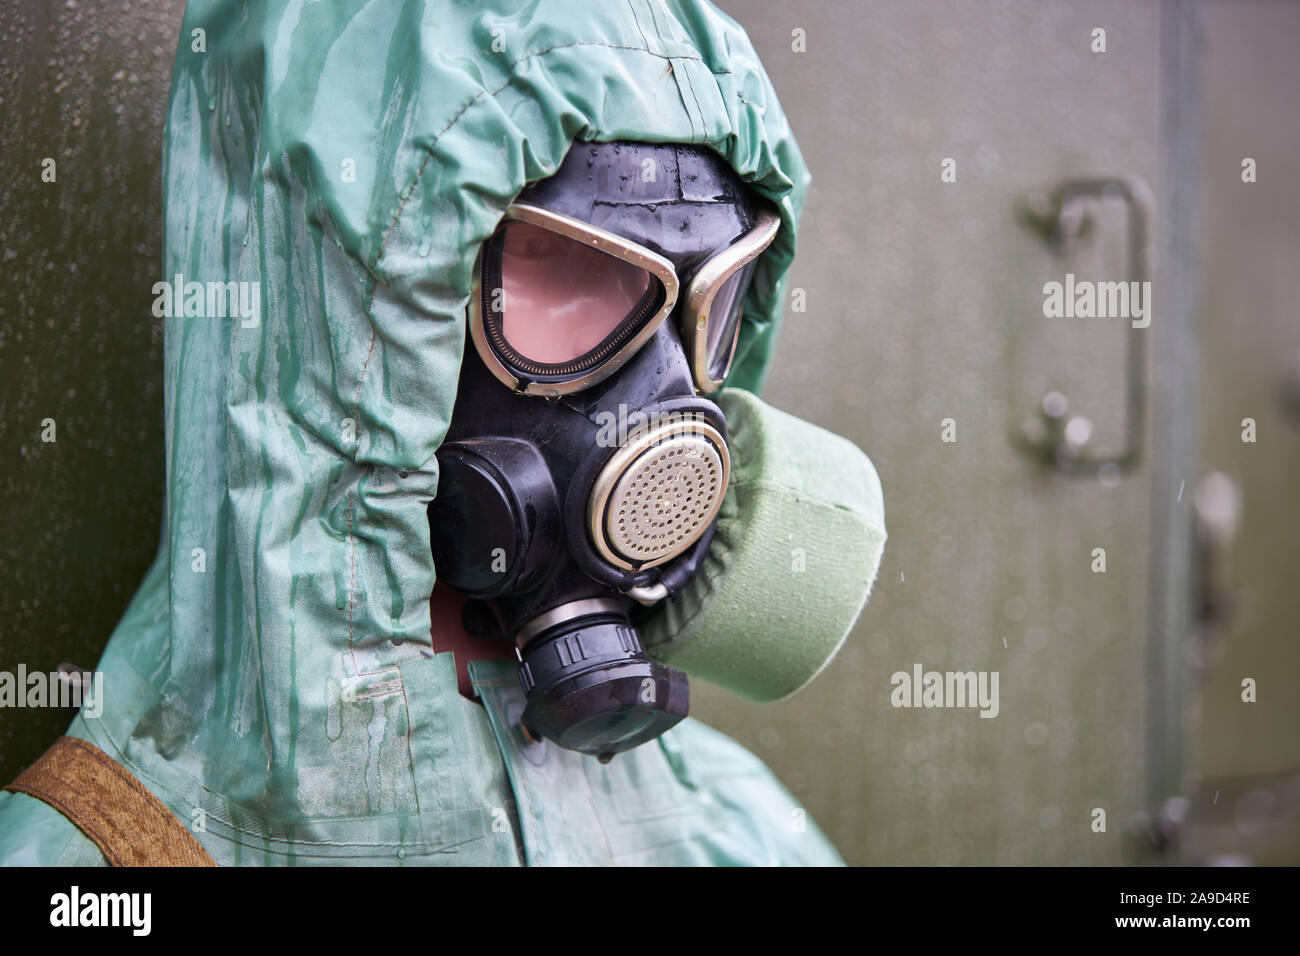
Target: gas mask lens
x,y
562,304
715,303
724,323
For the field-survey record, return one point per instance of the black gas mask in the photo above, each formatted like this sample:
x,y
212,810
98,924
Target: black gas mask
x,y
583,470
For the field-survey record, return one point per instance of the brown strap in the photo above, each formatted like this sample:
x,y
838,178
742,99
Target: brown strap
x,y
110,806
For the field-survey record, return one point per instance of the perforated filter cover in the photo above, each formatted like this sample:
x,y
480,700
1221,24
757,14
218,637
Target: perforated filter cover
x,y
666,490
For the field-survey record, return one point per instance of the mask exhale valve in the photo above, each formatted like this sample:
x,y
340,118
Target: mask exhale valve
x,y
588,682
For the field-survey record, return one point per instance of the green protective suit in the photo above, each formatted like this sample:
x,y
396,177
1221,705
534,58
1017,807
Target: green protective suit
x,y
273,681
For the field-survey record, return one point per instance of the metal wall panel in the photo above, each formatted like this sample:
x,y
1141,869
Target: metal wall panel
x,y
924,302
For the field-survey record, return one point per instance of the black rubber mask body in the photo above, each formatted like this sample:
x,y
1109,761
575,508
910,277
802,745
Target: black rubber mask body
x,y
563,512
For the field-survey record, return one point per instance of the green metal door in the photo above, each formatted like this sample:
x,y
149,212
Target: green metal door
x,y
917,328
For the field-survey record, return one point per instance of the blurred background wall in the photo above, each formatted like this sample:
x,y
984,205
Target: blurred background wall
x,y
925,308
1250,754
1120,690
83,84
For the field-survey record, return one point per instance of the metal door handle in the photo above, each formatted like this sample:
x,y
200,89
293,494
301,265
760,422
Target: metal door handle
x,y
1063,218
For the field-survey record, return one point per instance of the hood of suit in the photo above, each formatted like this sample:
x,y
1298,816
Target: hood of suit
x,y
342,163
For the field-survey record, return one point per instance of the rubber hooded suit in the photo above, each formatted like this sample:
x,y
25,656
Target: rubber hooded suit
x,y
272,681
